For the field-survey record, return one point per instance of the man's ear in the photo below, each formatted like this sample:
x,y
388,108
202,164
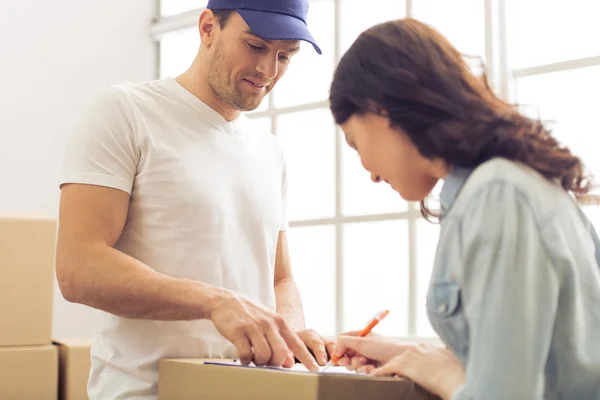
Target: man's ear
x,y
207,25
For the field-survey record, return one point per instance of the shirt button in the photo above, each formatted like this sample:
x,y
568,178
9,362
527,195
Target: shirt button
x,y
443,307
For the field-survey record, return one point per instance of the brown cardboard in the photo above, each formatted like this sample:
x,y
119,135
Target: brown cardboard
x,y
29,372
183,379
27,248
74,368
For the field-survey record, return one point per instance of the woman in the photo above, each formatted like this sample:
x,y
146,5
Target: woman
x,y
515,290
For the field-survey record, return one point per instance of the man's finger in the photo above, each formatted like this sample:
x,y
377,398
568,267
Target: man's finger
x,y
299,349
279,349
317,345
290,361
262,349
242,344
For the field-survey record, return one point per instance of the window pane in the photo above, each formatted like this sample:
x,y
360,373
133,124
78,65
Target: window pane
x,y
357,16
593,213
263,123
309,143
569,101
426,243
461,22
309,74
312,252
177,51
375,267
172,7
360,195
544,32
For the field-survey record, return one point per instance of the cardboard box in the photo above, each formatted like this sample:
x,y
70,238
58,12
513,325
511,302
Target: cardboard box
x,y
74,368
27,251
183,379
29,372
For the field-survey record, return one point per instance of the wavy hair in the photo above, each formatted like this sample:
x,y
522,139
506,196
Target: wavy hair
x,y
408,72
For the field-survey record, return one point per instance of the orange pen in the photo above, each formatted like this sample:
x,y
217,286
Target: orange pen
x,y
366,330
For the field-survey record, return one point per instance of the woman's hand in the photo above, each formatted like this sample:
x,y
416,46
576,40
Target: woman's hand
x,y
365,354
434,368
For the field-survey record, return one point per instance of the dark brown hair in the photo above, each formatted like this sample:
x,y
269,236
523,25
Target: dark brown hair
x,y
409,72
223,17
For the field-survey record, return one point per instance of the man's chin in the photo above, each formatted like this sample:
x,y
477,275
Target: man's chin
x,y
250,106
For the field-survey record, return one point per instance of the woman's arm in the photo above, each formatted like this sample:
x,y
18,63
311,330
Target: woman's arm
x,y
510,291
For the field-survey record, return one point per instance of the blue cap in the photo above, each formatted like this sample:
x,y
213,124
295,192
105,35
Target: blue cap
x,y
272,19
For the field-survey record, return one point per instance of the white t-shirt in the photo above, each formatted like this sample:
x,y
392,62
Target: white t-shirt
x,y
208,199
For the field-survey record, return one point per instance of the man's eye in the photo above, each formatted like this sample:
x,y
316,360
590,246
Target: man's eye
x,y
254,48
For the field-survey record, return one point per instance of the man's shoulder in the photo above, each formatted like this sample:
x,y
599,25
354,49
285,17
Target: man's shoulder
x,y
132,91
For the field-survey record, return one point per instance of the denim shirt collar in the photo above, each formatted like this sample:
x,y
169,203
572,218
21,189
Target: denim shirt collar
x,y
453,182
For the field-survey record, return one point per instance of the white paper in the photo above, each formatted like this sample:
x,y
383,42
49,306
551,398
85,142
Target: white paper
x,y
334,369
296,368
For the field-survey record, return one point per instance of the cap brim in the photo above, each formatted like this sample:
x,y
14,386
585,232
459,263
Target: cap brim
x,y
273,26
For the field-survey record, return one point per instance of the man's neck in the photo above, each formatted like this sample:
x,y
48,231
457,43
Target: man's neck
x,y
193,83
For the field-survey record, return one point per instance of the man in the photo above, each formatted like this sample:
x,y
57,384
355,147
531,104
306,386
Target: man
x,y
173,211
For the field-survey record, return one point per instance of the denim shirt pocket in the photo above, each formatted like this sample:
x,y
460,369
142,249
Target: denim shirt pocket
x,y
446,315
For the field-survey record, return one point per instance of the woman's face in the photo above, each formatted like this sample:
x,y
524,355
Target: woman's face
x,y
390,156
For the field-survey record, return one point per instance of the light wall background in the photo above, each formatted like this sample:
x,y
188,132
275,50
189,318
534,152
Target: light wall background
x,y
54,56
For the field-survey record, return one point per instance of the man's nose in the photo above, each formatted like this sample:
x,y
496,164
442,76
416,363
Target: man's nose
x,y
268,67
375,178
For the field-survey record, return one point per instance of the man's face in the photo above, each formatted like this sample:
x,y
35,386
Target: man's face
x,y
243,68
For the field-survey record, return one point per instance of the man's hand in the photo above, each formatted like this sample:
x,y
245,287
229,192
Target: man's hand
x,y
321,347
260,335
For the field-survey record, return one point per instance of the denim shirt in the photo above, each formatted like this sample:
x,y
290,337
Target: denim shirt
x,y
515,289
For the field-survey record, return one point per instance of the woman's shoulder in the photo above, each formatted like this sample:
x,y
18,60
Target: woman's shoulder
x,y
499,174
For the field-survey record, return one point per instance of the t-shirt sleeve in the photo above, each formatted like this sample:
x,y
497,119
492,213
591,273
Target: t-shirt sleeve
x,y
102,148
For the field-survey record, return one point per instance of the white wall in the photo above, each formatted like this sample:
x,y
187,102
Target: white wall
x,y
55,55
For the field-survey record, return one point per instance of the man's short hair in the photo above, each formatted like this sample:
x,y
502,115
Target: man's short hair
x,y
223,16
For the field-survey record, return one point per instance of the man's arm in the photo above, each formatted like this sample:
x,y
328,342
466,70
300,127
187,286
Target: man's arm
x,y
287,296
90,271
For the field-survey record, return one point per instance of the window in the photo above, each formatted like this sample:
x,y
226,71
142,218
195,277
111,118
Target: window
x,y
309,74
468,35
308,138
355,17
177,51
546,32
556,73
375,261
427,235
173,7
312,251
